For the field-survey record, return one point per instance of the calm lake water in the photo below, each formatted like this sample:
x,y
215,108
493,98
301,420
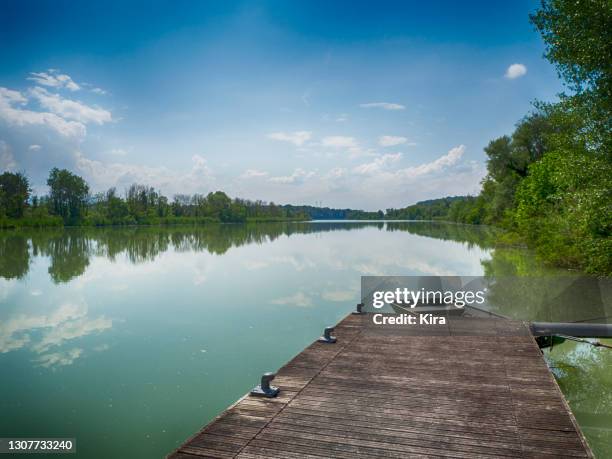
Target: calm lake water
x,y
130,339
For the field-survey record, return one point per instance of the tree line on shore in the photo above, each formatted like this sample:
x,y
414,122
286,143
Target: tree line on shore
x,y
69,202
550,182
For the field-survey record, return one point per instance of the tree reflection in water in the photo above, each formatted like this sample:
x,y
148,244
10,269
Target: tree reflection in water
x,y
519,286
70,249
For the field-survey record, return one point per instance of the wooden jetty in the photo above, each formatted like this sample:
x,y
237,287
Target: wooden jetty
x,y
476,387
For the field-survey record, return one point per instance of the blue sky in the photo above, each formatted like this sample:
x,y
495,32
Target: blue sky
x,y
352,104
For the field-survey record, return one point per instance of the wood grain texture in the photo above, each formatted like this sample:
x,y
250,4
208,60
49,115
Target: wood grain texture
x,y
472,388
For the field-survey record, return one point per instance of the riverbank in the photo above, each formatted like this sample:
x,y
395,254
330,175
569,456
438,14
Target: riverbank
x,y
53,221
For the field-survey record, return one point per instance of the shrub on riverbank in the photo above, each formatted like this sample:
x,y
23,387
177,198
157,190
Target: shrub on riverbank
x,y
564,209
46,221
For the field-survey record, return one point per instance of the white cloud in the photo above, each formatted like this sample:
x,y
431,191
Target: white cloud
x,y
298,262
70,330
515,71
298,138
34,147
336,173
59,359
341,118
96,90
339,141
383,181
70,109
298,299
299,176
199,178
53,79
12,111
252,265
66,322
340,295
380,163
7,160
390,140
379,182
383,105
449,159
200,167
253,173
10,97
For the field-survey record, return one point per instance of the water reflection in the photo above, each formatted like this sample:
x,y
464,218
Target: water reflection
x,y
472,236
520,287
70,249
584,375
84,265
14,255
129,323
43,333
561,297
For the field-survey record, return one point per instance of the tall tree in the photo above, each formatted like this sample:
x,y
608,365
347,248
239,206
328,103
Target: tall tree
x,y
14,194
577,38
68,194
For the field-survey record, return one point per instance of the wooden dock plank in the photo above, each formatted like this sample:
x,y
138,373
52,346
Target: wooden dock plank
x,y
474,388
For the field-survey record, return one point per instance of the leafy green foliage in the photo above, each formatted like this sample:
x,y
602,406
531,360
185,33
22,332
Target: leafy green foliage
x,y
432,209
564,208
69,203
68,194
577,38
327,213
14,194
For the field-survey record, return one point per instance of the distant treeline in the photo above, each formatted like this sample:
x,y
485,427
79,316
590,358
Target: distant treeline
x,y
70,203
326,213
432,209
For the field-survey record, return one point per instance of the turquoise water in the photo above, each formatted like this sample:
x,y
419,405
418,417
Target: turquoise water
x,y
131,339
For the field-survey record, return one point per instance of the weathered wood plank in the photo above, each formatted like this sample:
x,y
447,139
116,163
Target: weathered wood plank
x,y
474,388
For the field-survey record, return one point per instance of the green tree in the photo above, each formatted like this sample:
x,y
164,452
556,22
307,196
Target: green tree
x,y
14,255
116,209
68,194
141,200
577,38
564,208
509,158
14,194
162,207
